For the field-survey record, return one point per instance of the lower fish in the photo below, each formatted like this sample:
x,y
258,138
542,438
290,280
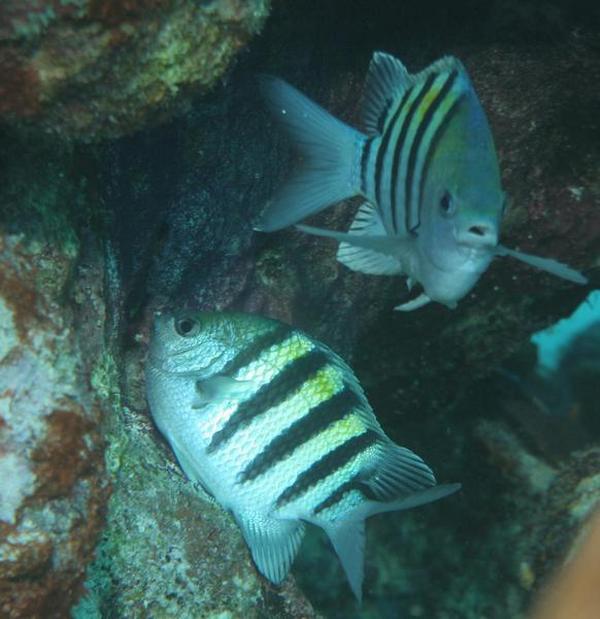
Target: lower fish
x,y
277,428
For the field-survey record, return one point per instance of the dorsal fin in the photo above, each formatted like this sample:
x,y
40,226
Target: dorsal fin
x,y
445,64
386,78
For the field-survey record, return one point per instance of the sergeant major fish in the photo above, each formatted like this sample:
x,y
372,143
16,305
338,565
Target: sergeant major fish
x,y
278,429
427,167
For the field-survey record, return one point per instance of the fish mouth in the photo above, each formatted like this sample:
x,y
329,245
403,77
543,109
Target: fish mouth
x,y
461,256
476,251
164,364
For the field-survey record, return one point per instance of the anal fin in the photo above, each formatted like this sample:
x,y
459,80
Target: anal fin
x,y
273,544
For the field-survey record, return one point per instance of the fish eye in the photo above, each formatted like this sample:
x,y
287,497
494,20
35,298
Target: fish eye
x,y
184,326
447,203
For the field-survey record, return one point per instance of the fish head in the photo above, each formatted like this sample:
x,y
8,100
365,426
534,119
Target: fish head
x,y
462,202
190,341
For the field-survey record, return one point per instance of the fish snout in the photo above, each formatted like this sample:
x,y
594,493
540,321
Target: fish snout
x,y
160,324
477,235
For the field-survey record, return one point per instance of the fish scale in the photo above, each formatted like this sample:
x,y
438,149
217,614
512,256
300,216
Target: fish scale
x,y
277,428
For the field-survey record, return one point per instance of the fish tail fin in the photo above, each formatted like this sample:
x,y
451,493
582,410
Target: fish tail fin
x,y
331,152
401,480
348,539
347,534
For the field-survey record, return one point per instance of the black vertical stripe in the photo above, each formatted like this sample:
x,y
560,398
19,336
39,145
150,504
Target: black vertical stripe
x,y
342,490
414,149
364,164
383,115
432,147
399,148
262,343
289,380
327,465
313,423
383,147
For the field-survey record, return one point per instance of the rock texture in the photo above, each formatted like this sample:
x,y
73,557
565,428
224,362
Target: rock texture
x,y
93,69
53,487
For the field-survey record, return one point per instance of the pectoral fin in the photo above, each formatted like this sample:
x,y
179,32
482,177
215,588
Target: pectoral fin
x,y
545,264
217,388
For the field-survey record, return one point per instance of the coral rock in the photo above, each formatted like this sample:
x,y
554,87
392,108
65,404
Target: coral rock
x,y
50,450
93,69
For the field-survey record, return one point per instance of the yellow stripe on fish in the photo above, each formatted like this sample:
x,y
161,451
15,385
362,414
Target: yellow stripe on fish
x,y
279,420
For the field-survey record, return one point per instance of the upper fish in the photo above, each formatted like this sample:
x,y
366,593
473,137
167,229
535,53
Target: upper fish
x,y
278,429
426,165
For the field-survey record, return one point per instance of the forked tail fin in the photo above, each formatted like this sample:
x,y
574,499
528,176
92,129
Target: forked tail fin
x,y
330,150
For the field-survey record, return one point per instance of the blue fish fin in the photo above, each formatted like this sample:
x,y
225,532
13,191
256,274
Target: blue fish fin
x,y
545,264
400,480
422,497
398,473
348,539
386,79
273,544
330,150
189,466
416,303
391,245
367,223
220,388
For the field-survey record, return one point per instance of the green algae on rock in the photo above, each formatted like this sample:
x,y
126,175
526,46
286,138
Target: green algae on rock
x,y
93,69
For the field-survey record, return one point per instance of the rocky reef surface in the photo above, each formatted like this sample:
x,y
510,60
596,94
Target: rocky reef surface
x,y
95,237
93,69
54,486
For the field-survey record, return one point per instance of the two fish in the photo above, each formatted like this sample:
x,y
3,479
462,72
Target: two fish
x,y
274,424
426,166
278,429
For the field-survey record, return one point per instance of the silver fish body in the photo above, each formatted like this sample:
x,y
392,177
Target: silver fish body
x,y
277,428
427,167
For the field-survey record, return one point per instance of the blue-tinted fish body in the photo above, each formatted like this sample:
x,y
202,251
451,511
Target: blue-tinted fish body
x,y
426,165
277,428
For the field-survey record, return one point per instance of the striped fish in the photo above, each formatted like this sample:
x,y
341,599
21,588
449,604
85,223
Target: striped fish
x,y
278,429
427,167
